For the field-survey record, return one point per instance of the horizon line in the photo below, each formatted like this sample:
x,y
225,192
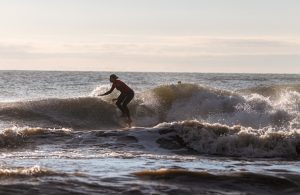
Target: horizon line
x,y
34,70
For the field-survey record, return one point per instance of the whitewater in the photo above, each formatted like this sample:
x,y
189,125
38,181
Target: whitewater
x,y
193,133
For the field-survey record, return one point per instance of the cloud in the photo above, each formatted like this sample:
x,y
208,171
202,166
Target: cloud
x,y
169,46
138,52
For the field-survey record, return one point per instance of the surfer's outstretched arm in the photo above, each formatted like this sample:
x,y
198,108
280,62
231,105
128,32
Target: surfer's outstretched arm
x,y
108,92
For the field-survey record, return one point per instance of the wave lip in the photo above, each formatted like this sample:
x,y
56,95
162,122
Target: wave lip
x,y
217,139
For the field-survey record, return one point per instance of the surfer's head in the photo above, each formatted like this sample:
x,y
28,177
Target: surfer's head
x,y
113,77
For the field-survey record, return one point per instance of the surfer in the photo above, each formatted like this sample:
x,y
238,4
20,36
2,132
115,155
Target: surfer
x,y
124,98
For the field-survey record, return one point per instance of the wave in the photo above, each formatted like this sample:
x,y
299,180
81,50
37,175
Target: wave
x,y
164,103
86,112
185,137
247,182
15,137
190,101
35,171
217,139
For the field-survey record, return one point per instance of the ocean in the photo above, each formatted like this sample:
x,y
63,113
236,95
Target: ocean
x,y
193,133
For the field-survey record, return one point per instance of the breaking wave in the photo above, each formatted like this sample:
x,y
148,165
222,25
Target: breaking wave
x,y
164,103
184,136
217,139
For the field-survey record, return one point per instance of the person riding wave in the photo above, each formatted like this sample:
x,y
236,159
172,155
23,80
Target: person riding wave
x,y
124,98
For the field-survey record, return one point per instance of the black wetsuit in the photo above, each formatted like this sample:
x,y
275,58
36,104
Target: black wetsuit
x,y
124,98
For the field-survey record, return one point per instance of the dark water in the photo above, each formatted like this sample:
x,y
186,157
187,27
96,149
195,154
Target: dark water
x,y
211,134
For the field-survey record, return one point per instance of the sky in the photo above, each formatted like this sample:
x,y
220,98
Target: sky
x,y
245,36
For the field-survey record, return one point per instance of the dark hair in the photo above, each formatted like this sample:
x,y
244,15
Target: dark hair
x,y
113,76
